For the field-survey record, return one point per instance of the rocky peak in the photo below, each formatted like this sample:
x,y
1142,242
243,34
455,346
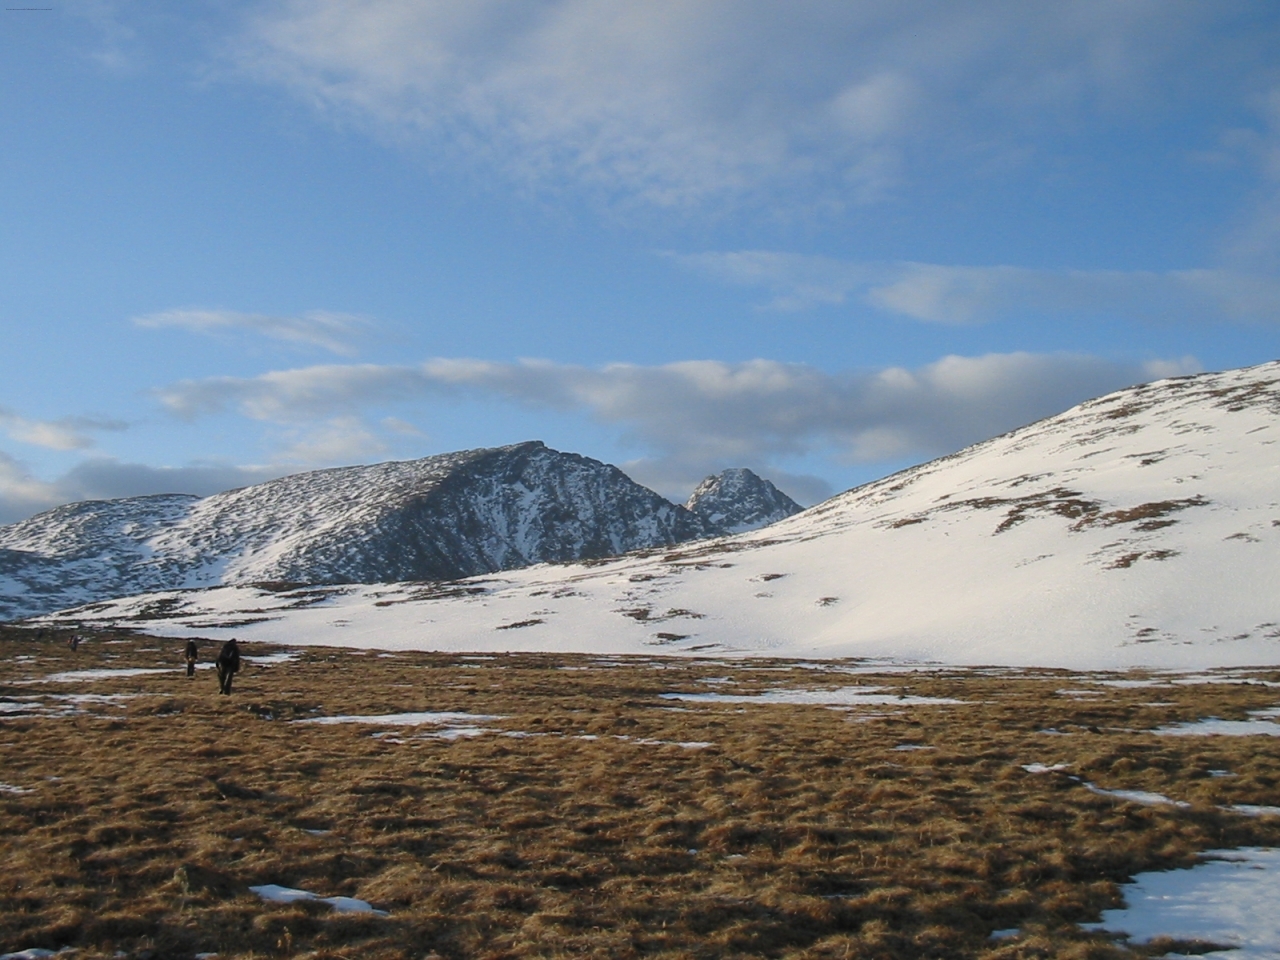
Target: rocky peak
x,y
437,518
737,500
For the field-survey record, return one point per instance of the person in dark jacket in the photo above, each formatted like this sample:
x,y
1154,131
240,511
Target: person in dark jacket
x,y
228,664
193,654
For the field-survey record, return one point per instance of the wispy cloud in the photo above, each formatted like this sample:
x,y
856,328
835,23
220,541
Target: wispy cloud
x,y
65,433
695,417
340,440
315,328
103,478
118,47
674,103
941,293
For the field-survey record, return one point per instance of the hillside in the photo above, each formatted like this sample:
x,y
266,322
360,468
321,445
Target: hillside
x,y
441,517
1142,527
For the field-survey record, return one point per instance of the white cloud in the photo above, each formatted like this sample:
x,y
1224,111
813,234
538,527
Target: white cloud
x,y
66,433
940,293
118,47
301,394
675,103
402,427
341,440
796,281
1255,243
697,417
316,328
21,494
103,478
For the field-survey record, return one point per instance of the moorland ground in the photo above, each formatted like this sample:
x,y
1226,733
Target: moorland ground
x,y
588,816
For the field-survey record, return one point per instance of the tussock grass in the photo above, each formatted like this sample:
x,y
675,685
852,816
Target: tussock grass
x,y
800,832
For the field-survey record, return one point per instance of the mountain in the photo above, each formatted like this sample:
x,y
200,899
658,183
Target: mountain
x,y
442,517
1140,528
737,500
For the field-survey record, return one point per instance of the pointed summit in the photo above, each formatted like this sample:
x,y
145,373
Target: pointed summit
x,y
738,500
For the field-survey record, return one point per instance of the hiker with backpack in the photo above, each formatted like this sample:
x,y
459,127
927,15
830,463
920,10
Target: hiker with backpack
x,y
228,664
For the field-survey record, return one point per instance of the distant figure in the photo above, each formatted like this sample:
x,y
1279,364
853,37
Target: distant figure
x,y
74,642
228,664
193,654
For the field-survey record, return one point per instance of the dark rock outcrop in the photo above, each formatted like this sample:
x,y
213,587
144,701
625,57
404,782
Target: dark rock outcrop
x,y
738,500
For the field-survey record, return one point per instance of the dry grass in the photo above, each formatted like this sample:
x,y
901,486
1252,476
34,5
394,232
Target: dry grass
x,y
801,831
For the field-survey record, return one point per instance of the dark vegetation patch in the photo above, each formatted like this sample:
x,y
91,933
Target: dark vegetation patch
x,y
1127,560
532,622
800,832
438,590
161,609
1244,396
1150,512
646,614
1071,504
906,522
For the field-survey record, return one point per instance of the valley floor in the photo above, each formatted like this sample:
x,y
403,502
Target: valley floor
x,y
511,806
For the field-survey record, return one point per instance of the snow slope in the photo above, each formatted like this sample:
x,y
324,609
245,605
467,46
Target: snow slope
x,y
450,515
1140,528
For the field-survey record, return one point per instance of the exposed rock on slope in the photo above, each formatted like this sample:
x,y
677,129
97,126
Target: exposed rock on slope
x,y
1141,528
737,500
441,517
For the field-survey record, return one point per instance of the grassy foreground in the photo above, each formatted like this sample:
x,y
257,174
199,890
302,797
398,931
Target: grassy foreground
x,y
594,818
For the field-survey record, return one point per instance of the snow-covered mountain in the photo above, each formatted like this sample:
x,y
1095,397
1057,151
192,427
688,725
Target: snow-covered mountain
x,y
441,517
1140,528
737,500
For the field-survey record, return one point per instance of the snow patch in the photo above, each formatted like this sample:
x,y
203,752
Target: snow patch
x,y
1229,900
408,719
843,696
277,894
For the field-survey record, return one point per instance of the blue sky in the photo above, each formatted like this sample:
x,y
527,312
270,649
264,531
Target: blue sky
x,y
820,239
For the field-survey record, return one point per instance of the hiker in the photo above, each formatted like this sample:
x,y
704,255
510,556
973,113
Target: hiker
x,y
74,642
193,654
228,664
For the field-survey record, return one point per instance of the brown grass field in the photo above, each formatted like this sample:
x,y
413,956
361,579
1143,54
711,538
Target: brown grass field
x,y
577,825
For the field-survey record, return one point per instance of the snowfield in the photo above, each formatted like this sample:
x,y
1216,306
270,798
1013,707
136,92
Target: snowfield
x,y
1138,529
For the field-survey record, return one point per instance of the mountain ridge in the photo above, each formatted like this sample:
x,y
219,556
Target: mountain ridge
x,y
442,517
1141,528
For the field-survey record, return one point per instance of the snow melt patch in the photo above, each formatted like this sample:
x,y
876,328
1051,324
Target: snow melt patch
x,y
75,676
409,719
270,659
63,705
276,894
842,696
1212,726
1228,900
1253,810
443,733
1137,796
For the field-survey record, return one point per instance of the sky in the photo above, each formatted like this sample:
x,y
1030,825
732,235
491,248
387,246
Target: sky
x,y
823,240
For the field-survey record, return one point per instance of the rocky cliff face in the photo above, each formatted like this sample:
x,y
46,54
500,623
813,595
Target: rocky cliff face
x,y
738,500
441,517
